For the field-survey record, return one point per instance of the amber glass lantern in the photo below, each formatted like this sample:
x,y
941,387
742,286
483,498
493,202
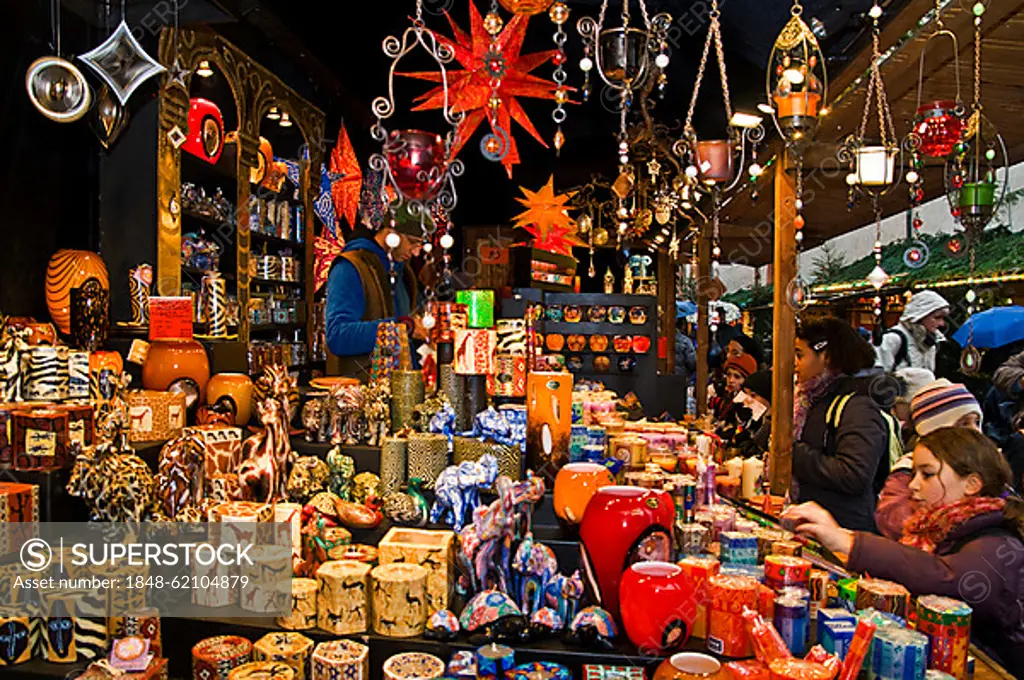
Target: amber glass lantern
x,y
797,82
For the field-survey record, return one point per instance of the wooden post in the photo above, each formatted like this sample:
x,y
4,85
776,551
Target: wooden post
x,y
783,330
703,332
667,302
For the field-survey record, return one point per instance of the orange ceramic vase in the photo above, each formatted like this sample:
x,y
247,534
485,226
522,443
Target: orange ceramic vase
x,y
236,389
179,366
575,484
689,666
70,269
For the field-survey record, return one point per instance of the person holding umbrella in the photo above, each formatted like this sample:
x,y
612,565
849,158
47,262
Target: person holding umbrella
x,y
913,342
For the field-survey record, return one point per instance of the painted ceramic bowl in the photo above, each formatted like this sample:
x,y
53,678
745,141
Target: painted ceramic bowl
x,y
690,666
616,314
641,344
575,484
627,364
233,390
554,342
597,313
598,343
658,606
602,364
574,362
638,315
622,343
413,666
576,343
554,313
623,525
572,313
539,669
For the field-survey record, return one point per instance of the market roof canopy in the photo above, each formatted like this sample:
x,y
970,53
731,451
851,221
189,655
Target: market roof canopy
x,y
748,236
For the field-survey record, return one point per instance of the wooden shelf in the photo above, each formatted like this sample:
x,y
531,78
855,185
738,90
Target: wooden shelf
x,y
290,326
206,220
197,170
275,282
195,271
278,241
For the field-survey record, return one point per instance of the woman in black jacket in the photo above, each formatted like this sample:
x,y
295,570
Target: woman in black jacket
x,y
841,438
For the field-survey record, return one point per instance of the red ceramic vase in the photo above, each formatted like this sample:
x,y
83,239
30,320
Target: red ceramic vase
x,y
658,606
417,162
623,525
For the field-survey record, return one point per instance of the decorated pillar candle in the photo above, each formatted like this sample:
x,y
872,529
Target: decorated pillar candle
x,y
427,456
752,470
265,583
511,337
304,606
336,659
947,623
700,569
407,392
263,670
727,634
58,628
494,660
399,606
15,633
343,601
782,570
413,666
885,596
44,373
293,649
215,657
479,307
291,514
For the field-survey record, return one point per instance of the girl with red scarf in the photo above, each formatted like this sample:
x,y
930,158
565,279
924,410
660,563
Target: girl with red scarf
x,y
964,541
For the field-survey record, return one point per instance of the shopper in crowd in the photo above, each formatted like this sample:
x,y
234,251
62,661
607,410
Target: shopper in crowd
x,y
749,424
736,371
913,342
964,542
686,352
360,293
936,405
841,438
911,380
744,344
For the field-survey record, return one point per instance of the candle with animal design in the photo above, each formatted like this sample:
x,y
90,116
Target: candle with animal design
x,y
343,602
431,549
548,419
293,649
265,582
399,600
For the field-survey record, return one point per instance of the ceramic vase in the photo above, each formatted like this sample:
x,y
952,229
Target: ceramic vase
x,y
690,666
90,315
658,606
236,390
575,484
177,365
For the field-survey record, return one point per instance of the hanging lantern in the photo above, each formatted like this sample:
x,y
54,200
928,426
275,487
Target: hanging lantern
x,y
417,162
623,56
797,82
715,160
527,7
939,127
875,165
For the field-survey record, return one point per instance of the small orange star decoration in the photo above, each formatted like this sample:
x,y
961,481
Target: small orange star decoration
x,y
547,219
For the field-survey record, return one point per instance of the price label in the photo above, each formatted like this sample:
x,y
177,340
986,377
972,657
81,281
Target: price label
x,y
170,318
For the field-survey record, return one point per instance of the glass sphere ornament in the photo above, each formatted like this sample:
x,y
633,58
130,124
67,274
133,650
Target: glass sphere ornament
x,y
971,296
798,294
600,237
586,63
956,246
878,277
527,7
427,246
447,241
493,23
916,255
417,162
939,127
970,360
661,61
559,13
429,321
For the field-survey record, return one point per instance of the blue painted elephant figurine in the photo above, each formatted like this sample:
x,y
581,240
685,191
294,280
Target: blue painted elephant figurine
x,y
457,490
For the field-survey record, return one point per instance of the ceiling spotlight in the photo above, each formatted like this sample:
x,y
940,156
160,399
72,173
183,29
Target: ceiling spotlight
x,y
204,70
274,113
818,28
745,120
286,120
765,108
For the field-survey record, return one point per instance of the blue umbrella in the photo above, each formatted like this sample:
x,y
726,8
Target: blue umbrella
x,y
685,308
994,327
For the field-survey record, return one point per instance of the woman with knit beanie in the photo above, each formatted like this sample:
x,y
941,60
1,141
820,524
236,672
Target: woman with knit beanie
x,y
936,405
838,453
966,540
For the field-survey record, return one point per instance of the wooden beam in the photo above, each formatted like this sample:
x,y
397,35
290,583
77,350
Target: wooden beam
x,y
703,331
783,335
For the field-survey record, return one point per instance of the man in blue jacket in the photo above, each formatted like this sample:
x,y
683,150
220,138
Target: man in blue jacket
x,y
360,294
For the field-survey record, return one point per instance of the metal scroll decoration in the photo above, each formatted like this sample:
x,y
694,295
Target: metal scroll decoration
x,y
432,182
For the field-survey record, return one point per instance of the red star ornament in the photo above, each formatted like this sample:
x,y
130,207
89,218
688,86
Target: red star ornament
x,y
469,90
547,219
346,178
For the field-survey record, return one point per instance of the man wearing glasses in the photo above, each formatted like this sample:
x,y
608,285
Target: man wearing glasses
x,y
359,290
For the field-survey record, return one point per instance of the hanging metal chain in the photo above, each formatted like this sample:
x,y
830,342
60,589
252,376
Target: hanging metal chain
x,y
643,11
977,63
876,91
600,19
715,35
625,16
419,13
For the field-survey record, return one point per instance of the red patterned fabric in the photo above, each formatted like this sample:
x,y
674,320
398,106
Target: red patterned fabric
x,y
927,528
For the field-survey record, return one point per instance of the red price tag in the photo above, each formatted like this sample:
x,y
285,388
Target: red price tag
x,y
170,318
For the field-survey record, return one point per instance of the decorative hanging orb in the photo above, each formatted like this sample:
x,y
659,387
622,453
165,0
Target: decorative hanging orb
x,y
417,162
975,182
798,294
559,13
447,241
797,81
956,246
970,361
494,145
583,223
939,127
916,255
493,23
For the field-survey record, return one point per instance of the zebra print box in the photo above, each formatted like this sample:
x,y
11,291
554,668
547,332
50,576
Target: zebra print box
x,y
40,440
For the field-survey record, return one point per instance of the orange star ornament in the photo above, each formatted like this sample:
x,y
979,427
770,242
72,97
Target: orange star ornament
x,y
547,219
469,89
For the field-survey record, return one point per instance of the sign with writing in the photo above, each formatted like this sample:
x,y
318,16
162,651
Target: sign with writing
x,y
170,318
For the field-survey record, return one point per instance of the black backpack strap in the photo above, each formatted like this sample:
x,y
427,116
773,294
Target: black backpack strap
x,y
902,353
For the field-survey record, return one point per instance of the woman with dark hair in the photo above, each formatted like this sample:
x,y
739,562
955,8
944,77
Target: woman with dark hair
x,y
841,438
965,541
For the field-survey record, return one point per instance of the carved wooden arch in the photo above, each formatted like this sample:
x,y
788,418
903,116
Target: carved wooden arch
x,y
253,88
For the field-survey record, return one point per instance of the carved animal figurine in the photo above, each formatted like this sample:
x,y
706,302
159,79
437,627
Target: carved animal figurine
x,y
408,509
115,483
457,490
180,477
563,594
534,565
342,470
263,474
309,476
